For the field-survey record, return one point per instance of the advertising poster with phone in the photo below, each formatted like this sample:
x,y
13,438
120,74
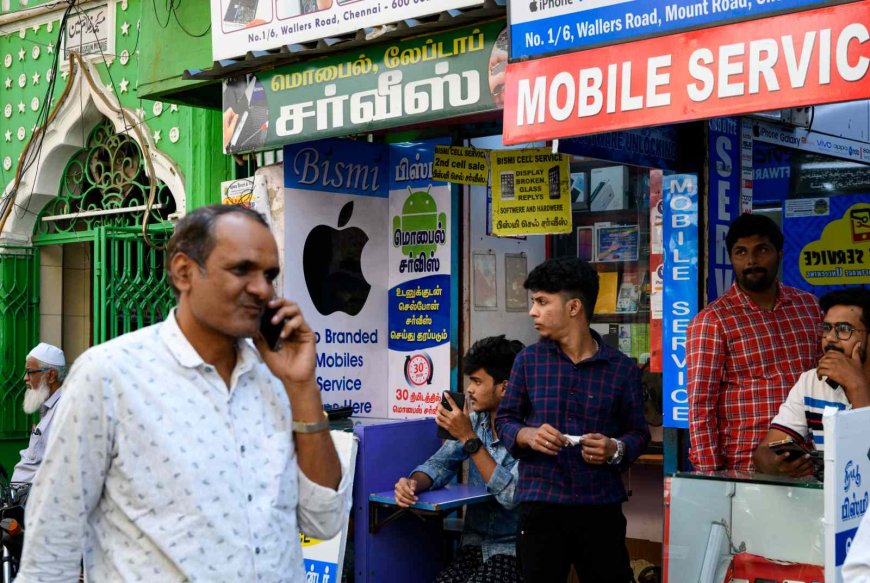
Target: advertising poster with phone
x,y
419,283
335,264
530,192
827,242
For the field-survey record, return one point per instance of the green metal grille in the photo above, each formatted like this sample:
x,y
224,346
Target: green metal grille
x,y
19,331
108,174
131,290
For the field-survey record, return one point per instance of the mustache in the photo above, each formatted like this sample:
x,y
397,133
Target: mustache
x,y
750,270
831,347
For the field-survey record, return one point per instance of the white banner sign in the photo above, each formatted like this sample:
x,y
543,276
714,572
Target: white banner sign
x,y
335,265
239,26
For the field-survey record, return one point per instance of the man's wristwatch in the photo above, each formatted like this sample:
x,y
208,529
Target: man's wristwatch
x,y
620,452
472,445
312,426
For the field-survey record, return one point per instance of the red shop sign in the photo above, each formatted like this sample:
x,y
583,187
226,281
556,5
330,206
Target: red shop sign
x,y
806,58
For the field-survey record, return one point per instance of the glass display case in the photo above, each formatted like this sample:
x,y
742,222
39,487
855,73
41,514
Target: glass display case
x,y
715,520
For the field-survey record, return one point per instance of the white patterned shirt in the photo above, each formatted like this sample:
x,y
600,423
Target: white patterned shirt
x,y
156,472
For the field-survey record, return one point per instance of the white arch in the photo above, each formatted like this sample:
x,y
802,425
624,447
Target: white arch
x,y
84,105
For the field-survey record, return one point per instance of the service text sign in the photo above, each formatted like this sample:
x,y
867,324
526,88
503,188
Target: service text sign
x,y
806,58
680,297
406,82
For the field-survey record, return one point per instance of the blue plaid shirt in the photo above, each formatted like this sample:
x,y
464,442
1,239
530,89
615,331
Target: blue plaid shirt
x,y
599,395
491,525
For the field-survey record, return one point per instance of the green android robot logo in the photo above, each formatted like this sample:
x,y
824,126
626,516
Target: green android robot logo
x,y
420,228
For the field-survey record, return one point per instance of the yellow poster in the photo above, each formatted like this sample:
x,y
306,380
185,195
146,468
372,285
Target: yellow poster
x,y
460,165
530,192
841,255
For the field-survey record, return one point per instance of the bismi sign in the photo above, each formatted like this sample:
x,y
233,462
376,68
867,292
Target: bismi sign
x,y
812,57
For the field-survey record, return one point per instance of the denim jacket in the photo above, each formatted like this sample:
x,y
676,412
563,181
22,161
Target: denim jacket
x,y
491,525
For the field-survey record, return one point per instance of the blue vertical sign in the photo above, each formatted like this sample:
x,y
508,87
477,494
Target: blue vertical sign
x,y
723,201
680,290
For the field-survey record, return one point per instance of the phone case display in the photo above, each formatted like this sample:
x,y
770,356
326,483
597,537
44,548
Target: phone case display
x,y
611,231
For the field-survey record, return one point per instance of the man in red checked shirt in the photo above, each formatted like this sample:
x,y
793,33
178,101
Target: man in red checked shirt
x,y
746,350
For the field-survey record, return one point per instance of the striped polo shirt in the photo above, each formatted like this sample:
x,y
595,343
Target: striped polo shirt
x,y
801,414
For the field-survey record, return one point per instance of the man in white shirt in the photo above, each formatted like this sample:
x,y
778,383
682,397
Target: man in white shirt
x,y
183,451
44,371
841,380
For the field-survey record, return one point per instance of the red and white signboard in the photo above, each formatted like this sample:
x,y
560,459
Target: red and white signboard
x,y
806,58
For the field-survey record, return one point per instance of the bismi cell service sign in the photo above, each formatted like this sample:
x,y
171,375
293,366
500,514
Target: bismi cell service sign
x,y
812,57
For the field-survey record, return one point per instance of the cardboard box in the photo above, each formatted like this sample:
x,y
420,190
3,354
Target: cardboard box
x,y
609,188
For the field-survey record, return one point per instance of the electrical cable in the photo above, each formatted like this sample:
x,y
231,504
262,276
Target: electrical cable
x,y
173,8
28,157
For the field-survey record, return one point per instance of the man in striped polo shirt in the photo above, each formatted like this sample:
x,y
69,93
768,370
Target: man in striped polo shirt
x,y
841,380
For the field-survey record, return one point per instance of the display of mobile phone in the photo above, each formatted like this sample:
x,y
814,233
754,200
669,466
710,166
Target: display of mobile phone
x,y
459,399
271,332
788,446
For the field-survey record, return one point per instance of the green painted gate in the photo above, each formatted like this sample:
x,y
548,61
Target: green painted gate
x,y
102,191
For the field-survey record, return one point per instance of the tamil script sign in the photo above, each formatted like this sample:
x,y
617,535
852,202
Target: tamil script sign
x,y
239,26
539,27
806,58
410,81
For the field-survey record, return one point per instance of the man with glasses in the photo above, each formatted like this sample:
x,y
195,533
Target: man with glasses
x,y
841,380
45,369
746,349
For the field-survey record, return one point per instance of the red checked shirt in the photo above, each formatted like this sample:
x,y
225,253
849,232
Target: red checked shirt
x,y
742,362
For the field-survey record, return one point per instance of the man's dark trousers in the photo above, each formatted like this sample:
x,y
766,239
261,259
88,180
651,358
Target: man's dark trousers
x,y
553,536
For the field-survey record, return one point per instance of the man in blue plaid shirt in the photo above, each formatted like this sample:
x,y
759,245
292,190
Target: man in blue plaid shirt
x,y
573,417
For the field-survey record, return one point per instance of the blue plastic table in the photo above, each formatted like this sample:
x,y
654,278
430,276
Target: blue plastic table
x,y
429,503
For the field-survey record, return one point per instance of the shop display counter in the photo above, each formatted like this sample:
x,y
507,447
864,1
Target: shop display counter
x,y
755,525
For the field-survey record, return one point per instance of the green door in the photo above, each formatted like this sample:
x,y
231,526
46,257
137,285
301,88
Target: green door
x,y
131,289
19,332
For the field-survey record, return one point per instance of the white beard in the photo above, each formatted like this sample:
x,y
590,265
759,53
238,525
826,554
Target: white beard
x,y
34,398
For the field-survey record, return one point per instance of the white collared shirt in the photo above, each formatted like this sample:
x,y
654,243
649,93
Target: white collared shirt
x,y
31,457
156,472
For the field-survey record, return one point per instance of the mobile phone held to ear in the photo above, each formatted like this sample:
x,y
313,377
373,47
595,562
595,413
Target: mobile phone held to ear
x,y
459,399
790,447
271,332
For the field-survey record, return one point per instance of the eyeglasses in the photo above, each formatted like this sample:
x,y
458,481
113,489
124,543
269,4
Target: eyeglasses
x,y
842,329
32,371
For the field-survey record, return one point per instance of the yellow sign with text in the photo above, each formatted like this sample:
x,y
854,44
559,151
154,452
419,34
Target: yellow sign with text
x,y
841,256
530,192
461,165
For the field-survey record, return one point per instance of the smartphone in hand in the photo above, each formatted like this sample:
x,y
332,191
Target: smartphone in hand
x,y
271,332
459,399
790,447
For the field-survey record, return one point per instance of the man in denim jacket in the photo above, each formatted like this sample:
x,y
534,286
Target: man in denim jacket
x,y
488,549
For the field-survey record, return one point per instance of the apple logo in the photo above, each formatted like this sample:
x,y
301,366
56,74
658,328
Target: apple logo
x,y
331,265
533,6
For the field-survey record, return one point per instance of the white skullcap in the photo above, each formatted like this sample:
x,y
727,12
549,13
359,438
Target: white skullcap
x,y
50,355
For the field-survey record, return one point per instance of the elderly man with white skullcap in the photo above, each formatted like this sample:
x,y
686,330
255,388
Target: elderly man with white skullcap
x,y
45,369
